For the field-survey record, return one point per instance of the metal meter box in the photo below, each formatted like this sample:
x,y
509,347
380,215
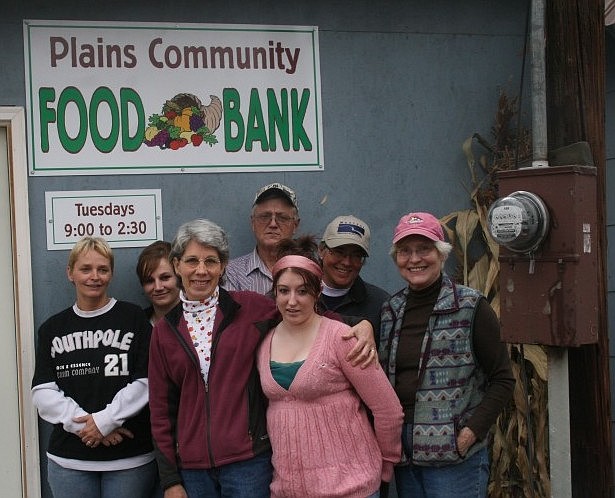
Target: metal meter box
x,y
550,296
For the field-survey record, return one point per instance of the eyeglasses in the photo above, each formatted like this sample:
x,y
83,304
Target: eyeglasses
x,y
339,254
420,251
280,218
193,262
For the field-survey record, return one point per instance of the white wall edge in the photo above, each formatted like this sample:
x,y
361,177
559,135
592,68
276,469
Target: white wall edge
x,y
14,119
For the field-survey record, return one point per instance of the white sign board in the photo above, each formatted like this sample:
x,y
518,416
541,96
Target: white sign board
x,y
133,98
124,218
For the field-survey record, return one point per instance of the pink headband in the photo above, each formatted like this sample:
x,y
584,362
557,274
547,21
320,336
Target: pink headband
x,y
294,261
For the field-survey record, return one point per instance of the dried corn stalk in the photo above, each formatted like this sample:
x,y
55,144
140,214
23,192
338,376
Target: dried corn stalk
x,y
519,451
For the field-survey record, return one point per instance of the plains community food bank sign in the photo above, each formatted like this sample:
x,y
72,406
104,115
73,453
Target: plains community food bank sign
x,y
113,98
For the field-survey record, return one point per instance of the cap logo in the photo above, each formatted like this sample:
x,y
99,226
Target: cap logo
x,y
413,220
286,192
351,228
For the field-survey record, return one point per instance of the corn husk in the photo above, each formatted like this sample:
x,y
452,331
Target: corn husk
x,y
519,448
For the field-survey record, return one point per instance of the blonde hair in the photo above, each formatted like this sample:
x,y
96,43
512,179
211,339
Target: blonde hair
x,y
86,244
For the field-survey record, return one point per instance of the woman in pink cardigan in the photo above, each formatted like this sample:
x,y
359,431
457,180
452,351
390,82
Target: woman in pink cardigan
x,y
323,443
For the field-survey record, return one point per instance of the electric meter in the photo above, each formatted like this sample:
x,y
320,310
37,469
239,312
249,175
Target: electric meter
x,y
519,221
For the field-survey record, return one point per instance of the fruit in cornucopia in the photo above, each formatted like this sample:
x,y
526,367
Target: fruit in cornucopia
x,y
178,143
150,132
211,114
182,119
196,140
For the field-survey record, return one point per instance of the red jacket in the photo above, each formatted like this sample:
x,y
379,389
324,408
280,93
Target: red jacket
x,y
197,426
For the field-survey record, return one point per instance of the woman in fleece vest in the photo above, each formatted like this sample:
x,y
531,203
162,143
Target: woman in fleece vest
x,y
440,346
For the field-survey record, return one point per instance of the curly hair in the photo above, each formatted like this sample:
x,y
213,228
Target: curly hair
x,y
305,246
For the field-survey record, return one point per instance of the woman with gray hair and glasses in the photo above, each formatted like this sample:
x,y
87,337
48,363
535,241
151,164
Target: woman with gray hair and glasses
x,y
207,406
440,346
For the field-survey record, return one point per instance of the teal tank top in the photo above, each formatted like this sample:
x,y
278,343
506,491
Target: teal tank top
x,y
284,373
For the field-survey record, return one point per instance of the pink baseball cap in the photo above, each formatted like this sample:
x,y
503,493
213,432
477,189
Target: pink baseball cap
x,y
424,224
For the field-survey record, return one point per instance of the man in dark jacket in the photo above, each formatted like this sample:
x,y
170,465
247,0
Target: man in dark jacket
x,y
343,249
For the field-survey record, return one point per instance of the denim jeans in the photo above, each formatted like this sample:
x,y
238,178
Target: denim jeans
x,y
138,482
467,479
248,479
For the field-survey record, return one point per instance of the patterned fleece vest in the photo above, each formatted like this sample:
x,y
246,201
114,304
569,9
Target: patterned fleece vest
x,y
451,385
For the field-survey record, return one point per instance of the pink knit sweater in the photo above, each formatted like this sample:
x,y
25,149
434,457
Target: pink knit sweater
x,y
323,444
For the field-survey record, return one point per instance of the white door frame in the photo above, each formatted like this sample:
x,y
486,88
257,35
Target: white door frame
x,y
13,119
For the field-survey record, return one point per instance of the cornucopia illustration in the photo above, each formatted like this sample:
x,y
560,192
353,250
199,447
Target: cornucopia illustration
x,y
183,120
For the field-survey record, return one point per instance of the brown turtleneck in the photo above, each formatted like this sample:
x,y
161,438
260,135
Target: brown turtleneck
x,y
490,353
